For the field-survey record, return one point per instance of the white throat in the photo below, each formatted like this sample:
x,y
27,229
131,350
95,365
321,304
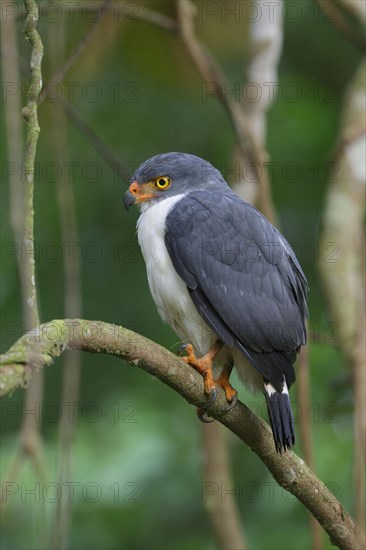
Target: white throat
x,y
151,223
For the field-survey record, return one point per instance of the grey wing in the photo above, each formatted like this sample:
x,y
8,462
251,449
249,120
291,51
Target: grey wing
x,y
243,278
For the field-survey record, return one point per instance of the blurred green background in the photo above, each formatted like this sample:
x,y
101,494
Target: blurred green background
x,y
137,460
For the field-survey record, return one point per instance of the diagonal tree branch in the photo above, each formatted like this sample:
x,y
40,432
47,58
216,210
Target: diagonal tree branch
x,y
120,168
265,43
334,15
212,73
122,11
61,72
39,348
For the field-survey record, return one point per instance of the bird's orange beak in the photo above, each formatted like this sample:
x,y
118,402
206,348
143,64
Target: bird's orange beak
x,y
139,193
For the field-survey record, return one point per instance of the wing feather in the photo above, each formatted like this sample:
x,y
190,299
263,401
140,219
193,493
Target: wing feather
x,y
243,277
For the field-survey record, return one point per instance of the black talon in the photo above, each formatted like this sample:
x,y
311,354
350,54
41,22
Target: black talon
x,y
201,416
232,403
182,349
211,399
201,410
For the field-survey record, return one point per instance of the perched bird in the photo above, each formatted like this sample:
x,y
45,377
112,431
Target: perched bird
x,y
225,280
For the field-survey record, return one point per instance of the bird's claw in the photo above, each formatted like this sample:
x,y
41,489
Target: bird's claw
x,y
202,409
182,349
203,417
231,404
211,398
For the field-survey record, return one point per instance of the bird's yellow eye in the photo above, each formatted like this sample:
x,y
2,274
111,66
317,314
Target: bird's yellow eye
x,y
163,182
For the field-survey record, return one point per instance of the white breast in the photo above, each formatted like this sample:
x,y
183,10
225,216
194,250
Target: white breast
x,y
168,290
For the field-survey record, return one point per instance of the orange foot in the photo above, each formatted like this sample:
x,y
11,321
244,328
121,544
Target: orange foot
x,y
230,392
204,366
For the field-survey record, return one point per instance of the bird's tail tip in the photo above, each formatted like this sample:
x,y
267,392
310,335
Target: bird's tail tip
x,y
280,416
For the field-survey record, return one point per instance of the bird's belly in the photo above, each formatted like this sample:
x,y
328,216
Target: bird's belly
x,y
176,307
168,290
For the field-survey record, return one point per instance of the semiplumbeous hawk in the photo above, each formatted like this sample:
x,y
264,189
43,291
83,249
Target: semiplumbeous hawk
x,y
225,280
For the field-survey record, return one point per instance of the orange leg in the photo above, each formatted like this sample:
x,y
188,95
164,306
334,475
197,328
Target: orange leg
x,y
203,365
223,381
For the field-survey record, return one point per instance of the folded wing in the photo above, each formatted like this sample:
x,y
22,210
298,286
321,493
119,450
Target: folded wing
x,y
243,277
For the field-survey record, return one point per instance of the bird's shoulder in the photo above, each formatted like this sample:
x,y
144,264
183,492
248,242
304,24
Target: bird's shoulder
x,y
211,208
230,229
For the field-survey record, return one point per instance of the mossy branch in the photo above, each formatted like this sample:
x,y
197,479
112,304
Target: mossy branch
x,y
39,348
31,117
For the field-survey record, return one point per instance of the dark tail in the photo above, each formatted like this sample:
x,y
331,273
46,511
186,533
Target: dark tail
x,y
280,415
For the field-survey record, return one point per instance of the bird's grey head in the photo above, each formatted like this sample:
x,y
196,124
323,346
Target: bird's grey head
x,y
171,174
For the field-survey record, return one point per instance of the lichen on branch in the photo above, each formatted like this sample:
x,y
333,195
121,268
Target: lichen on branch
x,y
30,114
